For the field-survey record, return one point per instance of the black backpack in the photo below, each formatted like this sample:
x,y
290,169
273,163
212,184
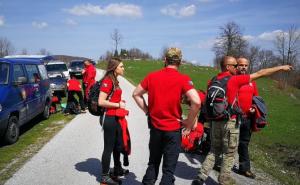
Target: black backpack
x,y
216,105
93,97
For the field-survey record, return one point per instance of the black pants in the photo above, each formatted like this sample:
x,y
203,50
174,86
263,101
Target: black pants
x,y
245,136
71,98
167,145
112,130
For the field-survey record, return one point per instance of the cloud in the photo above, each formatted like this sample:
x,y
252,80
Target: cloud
x,y
1,21
115,9
39,25
249,37
71,22
175,11
269,36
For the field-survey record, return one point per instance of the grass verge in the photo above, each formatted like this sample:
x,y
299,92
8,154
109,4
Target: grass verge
x,y
34,135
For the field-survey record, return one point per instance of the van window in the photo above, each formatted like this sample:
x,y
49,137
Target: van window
x,y
4,73
18,72
33,73
43,72
56,67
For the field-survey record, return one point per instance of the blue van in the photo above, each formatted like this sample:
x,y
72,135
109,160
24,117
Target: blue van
x,y
24,94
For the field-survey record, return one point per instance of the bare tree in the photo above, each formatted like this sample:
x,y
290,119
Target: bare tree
x,y
266,58
163,52
6,47
230,42
116,37
287,45
24,51
252,56
43,51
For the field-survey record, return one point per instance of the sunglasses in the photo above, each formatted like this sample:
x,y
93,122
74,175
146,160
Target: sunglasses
x,y
234,65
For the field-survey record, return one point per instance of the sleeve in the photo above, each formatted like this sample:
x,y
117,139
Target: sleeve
x,y
255,93
187,83
106,85
145,83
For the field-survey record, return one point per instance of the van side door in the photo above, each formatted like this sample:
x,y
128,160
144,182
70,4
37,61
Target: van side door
x,y
35,103
18,93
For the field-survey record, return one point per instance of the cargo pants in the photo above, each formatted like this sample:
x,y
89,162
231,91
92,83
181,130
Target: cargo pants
x,y
224,141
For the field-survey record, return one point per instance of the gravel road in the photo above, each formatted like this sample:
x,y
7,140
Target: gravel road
x,y
73,156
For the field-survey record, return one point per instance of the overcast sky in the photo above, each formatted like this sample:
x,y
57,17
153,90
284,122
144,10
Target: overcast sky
x,y
83,28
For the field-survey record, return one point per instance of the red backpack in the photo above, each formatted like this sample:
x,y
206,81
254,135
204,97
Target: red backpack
x,y
189,143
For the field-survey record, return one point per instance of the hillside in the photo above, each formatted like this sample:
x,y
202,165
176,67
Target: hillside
x,y
276,149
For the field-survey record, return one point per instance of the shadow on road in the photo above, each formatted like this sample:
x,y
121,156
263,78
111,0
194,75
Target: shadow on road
x,y
92,166
130,179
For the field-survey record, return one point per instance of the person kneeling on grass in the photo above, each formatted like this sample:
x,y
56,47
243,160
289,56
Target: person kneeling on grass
x,y
74,87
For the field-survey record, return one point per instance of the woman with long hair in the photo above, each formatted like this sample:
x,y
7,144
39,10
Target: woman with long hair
x,y
110,98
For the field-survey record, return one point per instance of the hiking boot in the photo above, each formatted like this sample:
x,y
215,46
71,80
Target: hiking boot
x,y
248,174
107,180
119,171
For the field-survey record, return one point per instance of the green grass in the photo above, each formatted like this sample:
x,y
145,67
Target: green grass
x,y
35,134
276,149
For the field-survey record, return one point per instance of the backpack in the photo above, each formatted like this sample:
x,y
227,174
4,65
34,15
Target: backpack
x,y
190,142
216,105
93,97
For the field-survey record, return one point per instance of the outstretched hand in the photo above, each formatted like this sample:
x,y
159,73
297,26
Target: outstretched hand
x,y
287,68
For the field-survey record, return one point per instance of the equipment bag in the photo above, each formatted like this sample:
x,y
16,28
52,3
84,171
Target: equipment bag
x,y
216,106
93,97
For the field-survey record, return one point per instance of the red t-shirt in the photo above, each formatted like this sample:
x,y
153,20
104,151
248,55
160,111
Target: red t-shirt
x,y
74,85
107,86
165,89
233,84
89,75
245,95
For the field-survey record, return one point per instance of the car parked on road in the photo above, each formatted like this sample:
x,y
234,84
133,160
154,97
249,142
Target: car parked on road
x,y
57,66
25,94
76,67
58,83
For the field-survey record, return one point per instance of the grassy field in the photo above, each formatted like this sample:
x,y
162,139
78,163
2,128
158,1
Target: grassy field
x,y
276,149
33,136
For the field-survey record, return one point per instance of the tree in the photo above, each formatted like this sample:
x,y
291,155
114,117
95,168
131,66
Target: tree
x,y
230,42
252,56
24,51
116,37
287,45
43,51
6,47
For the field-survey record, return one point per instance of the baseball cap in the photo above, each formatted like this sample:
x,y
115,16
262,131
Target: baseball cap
x,y
174,54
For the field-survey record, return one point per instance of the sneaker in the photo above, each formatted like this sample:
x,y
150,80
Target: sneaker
x,y
107,180
248,174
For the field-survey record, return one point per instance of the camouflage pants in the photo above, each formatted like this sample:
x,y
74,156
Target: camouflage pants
x,y
224,141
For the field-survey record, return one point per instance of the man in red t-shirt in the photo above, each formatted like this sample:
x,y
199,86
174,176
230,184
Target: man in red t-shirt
x,y
225,133
165,89
88,78
245,95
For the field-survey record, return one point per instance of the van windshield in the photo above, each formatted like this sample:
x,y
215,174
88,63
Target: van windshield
x,y
4,73
76,64
56,67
